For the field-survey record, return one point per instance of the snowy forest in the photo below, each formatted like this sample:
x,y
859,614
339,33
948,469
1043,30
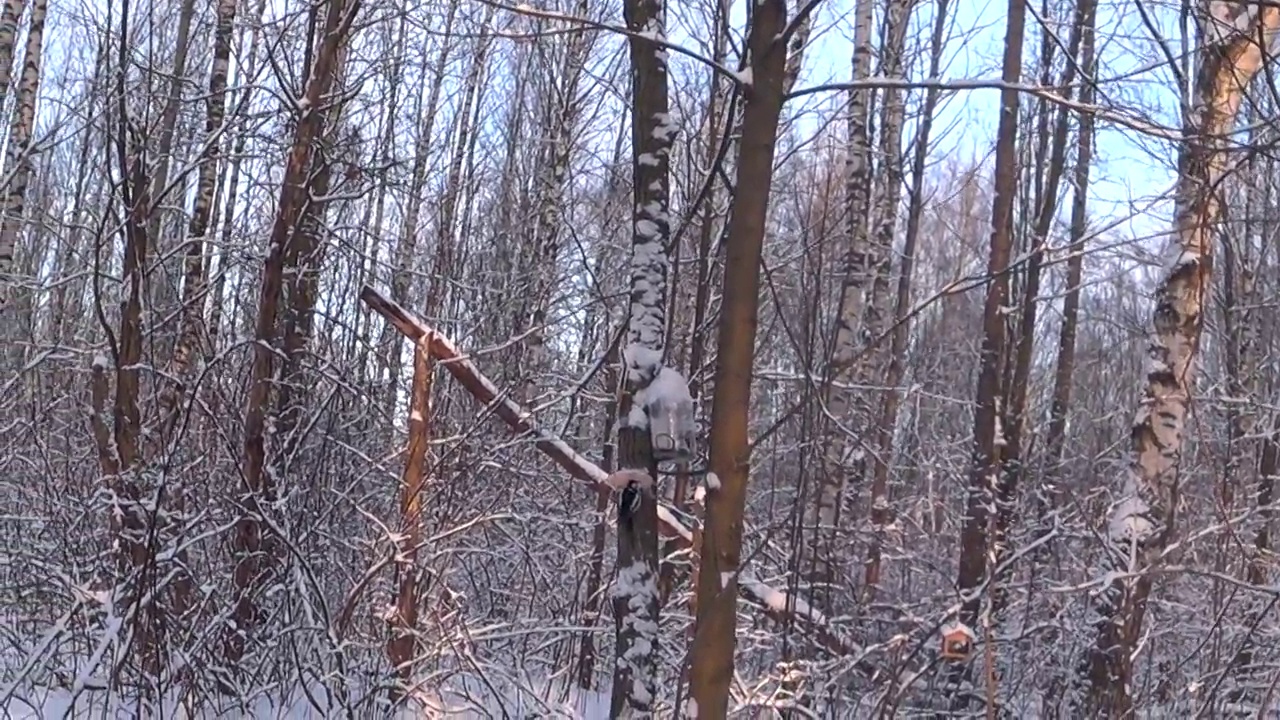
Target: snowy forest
x,y
638,359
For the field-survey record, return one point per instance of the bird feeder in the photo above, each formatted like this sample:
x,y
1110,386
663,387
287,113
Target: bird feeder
x,y
957,642
672,427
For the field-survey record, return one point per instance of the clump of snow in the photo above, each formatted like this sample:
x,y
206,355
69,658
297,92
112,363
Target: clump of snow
x,y
744,76
665,130
713,481
642,359
626,476
667,390
100,362
777,601
960,628
1131,521
691,709
1176,255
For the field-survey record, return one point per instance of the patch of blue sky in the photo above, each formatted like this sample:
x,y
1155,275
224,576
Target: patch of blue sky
x,y
1133,171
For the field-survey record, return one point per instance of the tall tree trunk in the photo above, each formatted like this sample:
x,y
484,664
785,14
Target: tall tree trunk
x,y
843,456
635,595
406,249
595,576
1142,520
194,274
1017,391
260,486
446,225
9,17
232,178
19,160
169,117
720,560
561,119
987,435
888,197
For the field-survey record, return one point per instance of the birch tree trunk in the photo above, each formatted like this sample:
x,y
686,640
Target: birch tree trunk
x,y
20,148
232,178
635,594
1141,525
888,197
843,456
720,561
9,17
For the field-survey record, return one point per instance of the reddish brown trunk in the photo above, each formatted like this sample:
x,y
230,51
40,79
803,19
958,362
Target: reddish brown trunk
x,y
988,436
259,486
718,574
404,622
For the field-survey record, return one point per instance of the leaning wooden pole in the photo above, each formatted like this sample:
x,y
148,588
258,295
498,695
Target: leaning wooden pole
x,y
1235,40
404,620
776,604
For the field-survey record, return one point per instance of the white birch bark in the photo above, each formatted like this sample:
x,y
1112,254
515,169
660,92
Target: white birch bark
x,y
19,160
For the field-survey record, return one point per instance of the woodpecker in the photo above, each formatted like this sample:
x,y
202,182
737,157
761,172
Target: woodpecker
x,y
630,482
629,502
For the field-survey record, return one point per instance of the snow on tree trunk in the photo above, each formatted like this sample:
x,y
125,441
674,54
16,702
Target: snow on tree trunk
x,y
1141,525
720,564
635,593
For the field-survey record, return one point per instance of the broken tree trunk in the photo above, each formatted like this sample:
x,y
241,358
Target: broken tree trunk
x,y
777,604
404,620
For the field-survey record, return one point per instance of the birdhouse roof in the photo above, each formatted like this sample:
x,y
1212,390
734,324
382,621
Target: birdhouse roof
x,y
958,629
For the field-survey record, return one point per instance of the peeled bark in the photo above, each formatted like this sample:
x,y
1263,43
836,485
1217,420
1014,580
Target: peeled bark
x,y
404,621
718,574
1141,525
774,603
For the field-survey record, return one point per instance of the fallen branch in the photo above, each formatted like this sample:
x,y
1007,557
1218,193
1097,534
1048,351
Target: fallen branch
x,y
777,604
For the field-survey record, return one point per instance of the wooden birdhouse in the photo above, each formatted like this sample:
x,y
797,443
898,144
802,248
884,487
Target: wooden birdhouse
x,y
672,427
957,642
